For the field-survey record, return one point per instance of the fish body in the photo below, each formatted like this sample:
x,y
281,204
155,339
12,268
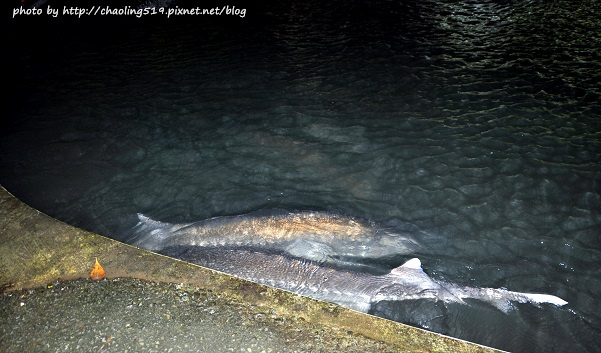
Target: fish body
x,y
353,289
317,236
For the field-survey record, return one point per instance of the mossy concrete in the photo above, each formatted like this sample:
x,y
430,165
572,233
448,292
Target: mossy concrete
x,y
36,249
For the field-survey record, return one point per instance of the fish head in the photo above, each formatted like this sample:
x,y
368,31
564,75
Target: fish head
x,y
390,244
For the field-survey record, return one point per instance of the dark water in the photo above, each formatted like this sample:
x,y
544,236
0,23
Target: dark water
x,y
474,125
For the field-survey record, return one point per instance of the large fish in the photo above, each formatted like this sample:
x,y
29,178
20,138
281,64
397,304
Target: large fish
x,y
318,236
352,289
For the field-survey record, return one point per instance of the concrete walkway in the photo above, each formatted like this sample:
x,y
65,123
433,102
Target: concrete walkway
x,y
153,303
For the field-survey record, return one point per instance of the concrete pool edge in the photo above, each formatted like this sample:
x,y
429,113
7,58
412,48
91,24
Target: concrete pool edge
x,y
36,249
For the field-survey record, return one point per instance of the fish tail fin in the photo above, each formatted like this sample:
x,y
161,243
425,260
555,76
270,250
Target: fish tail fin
x,y
502,299
544,298
149,234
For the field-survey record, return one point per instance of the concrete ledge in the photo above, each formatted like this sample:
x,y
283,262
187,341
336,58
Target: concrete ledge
x,y
36,249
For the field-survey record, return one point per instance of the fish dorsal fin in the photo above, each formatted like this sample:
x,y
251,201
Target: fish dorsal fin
x,y
413,264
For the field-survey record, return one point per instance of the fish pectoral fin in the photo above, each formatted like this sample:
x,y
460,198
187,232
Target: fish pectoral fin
x,y
149,234
360,306
310,250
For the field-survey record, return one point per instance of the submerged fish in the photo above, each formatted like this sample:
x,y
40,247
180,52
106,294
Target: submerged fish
x,y
352,289
318,236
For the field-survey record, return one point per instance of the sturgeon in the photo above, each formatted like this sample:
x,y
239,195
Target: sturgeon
x,y
318,236
352,289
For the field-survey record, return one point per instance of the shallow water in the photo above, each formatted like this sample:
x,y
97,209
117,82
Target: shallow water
x,y
475,126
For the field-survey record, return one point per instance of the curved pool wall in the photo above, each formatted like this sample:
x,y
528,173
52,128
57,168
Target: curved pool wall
x,y
36,249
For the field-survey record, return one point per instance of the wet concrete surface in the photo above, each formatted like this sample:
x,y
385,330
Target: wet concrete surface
x,y
153,303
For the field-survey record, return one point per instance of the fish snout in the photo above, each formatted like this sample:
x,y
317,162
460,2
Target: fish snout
x,y
392,244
